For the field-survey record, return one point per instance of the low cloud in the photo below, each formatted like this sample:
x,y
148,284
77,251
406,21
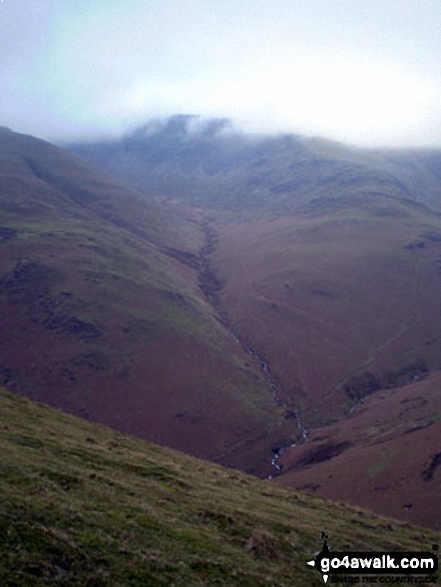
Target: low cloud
x,y
364,74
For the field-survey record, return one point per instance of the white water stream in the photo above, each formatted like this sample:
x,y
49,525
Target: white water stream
x,y
211,286
277,453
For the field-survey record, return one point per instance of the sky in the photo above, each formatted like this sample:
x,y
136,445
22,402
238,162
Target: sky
x,y
365,72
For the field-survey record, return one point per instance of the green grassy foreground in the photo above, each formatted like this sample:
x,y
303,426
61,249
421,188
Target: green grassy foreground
x,y
81,504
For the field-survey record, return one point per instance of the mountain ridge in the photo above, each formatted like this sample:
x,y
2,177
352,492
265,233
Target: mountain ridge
x,y
208,163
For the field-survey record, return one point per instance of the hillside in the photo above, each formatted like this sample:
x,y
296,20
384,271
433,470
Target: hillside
x,y
103,315
385,457
82,505
331,300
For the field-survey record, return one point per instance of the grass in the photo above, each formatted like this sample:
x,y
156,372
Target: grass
x,y
84,505
378,467
323,299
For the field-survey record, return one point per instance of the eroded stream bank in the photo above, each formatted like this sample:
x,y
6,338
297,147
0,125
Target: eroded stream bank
x,y
211,285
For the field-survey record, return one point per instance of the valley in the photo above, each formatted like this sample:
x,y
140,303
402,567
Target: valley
x,y
243,301
343,314
220,293
324,265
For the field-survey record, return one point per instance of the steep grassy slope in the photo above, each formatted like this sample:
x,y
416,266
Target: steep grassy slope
x,y
84,505
102,314
41,182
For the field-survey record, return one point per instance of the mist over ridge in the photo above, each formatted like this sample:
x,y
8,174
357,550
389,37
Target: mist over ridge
x,y
366,74
211,162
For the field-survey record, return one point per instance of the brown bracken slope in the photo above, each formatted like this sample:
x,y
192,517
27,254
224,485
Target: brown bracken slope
x,y
102,313
386,457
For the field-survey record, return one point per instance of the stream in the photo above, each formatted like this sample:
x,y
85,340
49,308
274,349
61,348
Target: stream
x,y
210,285
277,452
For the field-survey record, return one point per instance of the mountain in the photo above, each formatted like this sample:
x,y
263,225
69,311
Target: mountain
x,y
103,314
208,164
328,264
85,505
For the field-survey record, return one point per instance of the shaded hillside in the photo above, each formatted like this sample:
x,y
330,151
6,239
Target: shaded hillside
x,y
84,505
102,314
385,457
208,164
420,171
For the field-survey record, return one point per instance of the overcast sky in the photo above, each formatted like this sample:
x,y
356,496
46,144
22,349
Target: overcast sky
x,y
361,71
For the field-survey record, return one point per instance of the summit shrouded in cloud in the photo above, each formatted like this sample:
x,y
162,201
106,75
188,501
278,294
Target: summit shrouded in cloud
x,y
365,73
